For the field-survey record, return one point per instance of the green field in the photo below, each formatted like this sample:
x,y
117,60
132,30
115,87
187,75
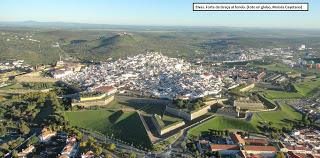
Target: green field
x,y
279,68
29,86
283,117
272,94
280,118
167,120
222,123
146,105
112,122
307,88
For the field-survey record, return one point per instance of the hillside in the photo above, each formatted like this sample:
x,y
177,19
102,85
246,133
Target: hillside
x,y
105,47
43,45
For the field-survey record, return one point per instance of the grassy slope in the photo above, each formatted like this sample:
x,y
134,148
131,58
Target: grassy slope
x,y
307,88
222,123
304,89
111,122
279,68
280,118
272,94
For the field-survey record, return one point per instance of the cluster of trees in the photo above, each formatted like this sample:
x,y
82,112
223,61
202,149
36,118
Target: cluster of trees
x,y
91,145
199,102
10,145
196,104
25,111
193,148
124,153
24,107
181,104
221,133
280,155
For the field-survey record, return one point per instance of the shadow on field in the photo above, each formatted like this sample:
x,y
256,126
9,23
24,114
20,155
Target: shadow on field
x,y
147,105
131,130
115,116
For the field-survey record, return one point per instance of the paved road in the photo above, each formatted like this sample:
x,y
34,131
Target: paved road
x,y
18,147
119,145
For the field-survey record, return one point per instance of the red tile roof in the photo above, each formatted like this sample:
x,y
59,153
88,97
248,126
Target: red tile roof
x,y
295,155
105,89
256,141
217,147
260,148
296,148
254,156
237,138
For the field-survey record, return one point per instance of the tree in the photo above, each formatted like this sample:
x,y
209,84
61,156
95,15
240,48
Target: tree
x,y
98,150
91,141
4,146
184,145
226,133
305,119
280,155
15,153
24,129
108,156
180,103
111,147
32,140
196,105
133,155
3,130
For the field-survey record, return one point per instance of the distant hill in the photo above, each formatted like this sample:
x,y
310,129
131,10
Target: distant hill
x,y
107,46
38,45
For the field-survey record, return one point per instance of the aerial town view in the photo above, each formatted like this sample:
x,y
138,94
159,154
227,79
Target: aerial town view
x,y
158,79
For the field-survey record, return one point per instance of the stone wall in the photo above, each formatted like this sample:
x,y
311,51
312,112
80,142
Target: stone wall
x,y
247,88
93,102
249,105
164,130
193,114
93,98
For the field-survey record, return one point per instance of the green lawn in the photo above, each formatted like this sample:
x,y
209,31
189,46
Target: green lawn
x,y
222,123
279,68
146,105
307,88
280,118
284,117
29,85
126,126
169,119
12,86
272,94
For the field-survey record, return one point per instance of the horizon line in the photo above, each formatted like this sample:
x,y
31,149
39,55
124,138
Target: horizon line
x,y
156,25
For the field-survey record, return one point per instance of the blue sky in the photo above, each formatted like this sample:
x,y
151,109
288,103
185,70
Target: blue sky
x,y
154,12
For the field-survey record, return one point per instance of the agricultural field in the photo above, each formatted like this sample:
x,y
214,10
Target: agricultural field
x,y
283,117
222,123
119,124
